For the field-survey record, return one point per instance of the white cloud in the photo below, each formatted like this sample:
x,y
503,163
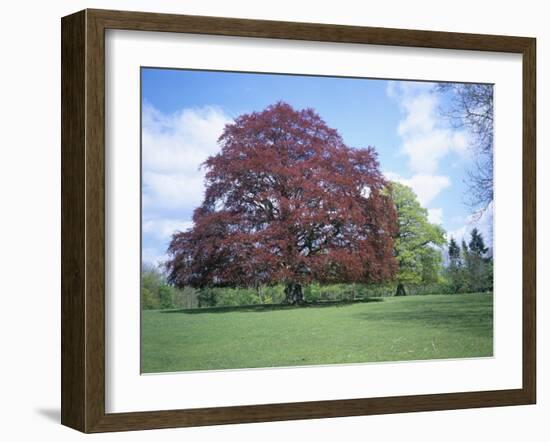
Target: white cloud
x,y
153,256
426,187
483,222
164,228
174,147
161,230
435,216
173,190
395,89
425,138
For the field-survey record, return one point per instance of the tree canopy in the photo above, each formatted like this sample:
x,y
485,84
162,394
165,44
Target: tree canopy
x,y
471,107
470,266
416,240
478,264
288,201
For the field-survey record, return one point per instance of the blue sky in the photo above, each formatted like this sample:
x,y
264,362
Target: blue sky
x,y
184,112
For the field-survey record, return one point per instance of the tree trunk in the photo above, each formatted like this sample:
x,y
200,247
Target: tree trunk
x,y
294,294
400,290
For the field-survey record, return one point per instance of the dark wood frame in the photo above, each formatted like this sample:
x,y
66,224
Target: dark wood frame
x,y
83,220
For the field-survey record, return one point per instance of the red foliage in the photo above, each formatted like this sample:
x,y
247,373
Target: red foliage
x,y
287,200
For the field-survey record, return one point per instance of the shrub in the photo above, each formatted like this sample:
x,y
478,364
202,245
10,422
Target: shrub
x,y
207,297
274,294
227,297
148,301
380,290
185,298
334,292
165,296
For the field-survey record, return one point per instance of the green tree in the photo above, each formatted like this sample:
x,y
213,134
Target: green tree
x,y
466,266
148,300
455,269
185,298
417,242
478,265
454,254
151,278
477,245
156,293
166,296
431,262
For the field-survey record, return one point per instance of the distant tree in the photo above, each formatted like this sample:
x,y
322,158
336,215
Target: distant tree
x,y
465,254
455,269
287,201
478,266
185,298
166,294
471,107
432,265
477,245
416,241
148,300
207,297
151,277
478,262
156,293
454,253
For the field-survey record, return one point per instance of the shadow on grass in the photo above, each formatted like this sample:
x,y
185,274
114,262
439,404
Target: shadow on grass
x,y
259,308
476,319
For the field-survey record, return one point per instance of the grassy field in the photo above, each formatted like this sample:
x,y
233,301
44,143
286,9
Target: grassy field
x,y
390,329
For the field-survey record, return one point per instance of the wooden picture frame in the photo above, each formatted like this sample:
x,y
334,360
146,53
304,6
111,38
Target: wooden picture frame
x,y
83,220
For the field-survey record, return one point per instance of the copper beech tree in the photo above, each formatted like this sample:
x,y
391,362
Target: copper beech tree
x,y
287,201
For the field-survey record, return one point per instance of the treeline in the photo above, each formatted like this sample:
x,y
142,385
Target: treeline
x,y
469,269
157,294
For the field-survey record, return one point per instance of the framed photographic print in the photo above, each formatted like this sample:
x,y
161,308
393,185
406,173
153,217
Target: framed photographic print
x,y
270,220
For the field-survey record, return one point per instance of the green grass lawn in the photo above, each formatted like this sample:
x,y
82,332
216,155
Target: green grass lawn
x,y
390,329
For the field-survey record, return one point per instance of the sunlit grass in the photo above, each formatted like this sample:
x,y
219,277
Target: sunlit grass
x,y
393,329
